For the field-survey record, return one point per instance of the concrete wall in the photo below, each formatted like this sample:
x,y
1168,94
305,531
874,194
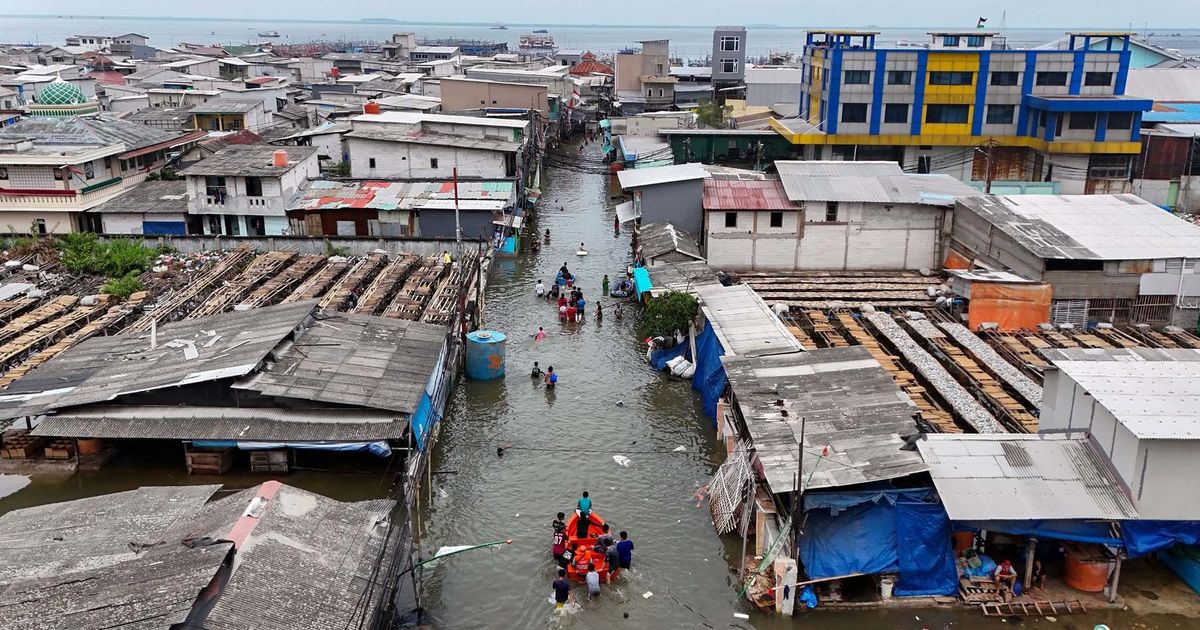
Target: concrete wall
x,y
406,160
20,221
313,245
680,203
459,94
440,224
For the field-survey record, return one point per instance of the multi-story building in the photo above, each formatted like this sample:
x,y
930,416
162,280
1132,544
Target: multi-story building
x,y
244,189
728,58
408,145
966,106
643,80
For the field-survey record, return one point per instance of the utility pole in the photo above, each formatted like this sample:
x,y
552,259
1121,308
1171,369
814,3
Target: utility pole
x,y
457,225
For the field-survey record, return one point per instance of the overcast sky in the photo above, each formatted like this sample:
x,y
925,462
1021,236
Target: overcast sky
x,y
1162,14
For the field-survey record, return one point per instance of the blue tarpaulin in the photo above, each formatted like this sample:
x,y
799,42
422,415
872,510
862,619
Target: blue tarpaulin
x,y
880,531
1078,531
659,358
709,378
164,227
380,449
1143,537
641,280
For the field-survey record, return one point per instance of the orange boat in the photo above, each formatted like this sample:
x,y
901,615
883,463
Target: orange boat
x,y
581,548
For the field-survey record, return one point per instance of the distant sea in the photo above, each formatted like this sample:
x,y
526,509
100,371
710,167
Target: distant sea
x,y
688,42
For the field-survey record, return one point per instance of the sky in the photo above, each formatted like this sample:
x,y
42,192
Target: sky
x,y
1160,14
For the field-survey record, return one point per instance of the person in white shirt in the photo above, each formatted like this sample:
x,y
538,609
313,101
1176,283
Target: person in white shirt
x,y
539,289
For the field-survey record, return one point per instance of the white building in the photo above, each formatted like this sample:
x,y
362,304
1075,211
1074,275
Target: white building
x,y
244,190
407,145
830,216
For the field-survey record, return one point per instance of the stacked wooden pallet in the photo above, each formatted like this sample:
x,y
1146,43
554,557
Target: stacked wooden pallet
x,y
339,294
39,315
824,331
830,290
264,267
11,308
175,305
320,283
385,284
273,289
60,449
414,296
21,445
444,303
49,332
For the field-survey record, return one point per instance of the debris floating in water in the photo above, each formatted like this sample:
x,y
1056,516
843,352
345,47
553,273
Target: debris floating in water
x,y
647,595
620,403
621,460
741,615
679,449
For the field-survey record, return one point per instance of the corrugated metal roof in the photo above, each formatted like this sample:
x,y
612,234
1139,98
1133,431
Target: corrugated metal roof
x,y
403,195
854,417
224,106
152,422
1021,477
686,276
656,239
739,194
1089,227
639,177
253,160
1164,84
880,182
744,323
1173,113
149,197
1152,399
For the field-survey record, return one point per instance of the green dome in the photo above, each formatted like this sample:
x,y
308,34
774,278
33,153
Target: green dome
x,y
60,92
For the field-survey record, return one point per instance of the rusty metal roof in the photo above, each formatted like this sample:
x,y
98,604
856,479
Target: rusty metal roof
x,y
764,194
402,195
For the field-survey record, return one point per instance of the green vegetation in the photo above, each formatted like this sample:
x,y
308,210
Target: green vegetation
x,y
667,313
330,250
122,288
712,114
84,253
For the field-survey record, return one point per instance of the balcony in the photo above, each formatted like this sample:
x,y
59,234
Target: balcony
x,y
68,200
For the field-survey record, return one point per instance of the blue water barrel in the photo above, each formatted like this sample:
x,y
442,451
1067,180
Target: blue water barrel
x,y
485,355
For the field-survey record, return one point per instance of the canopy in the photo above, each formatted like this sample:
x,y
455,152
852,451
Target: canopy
x,y
380,449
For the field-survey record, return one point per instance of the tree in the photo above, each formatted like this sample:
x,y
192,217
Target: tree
x,y
713,114
667,313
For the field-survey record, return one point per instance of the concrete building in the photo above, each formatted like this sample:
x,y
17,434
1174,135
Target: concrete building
x,y
966,107
667,194
52,169
1109,258
245,190
1142,410
329,139
476,94
773,85
728,60
1168,169
643,81
830,216
151,207
230,115
405,145
420,54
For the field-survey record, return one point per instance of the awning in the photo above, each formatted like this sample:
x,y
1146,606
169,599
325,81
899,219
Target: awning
x,y
379,449
627,213
513,221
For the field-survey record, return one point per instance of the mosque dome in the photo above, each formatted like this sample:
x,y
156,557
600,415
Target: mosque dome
x,y
60,92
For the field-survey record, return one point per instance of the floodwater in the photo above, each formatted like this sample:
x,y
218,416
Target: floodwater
x,y
558,443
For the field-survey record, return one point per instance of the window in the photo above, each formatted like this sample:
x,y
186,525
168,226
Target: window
x,y
947,114
895,113
854,113
371,163
1082,120
950,41
108,162
1051,78
951,78
89,170
730,43
649,93
1005,78
254,186
975,41
831,209
1097,78
776,219
41,226
215,187
858,77
660,91
1000,114
433,162
1120,120
729,65
899,77
58,174
659,68
730,219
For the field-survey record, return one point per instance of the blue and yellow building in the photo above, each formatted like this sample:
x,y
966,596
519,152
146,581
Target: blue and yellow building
x,y
966,105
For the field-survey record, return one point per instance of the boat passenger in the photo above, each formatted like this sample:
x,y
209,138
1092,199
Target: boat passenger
x,y
537,371
563,271
624,551
585,512
551,377
604,539
562,589
593,581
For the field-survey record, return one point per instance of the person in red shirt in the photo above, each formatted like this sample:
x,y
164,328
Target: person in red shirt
x,y
570,312
559,545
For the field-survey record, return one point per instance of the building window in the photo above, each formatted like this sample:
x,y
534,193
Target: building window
x,y
950,41
1051,78
89,170
858,77
947,114
951,78
649,93
1102,79
729,66
1006,78
254,186
730,219
1082,120
831,211
895,113
108,163
1120,120
659,68
1000,114
776,219
854,113
660,91
975,41
370,162
433,162
899,77
730,44
215,187
41,226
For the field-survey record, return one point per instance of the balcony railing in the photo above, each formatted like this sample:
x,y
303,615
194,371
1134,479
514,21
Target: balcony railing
x,y
69,200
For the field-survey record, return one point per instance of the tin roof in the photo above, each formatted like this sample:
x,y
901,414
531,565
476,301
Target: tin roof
x,y
149,197
852,416
225,106
402,195
1088,227
93,131
656,239
1165,86
639,177
738,194
743,322
248,160
878,182
1151,399
1023,477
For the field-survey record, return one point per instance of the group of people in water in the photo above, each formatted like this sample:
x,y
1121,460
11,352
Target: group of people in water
x,y
596,562
572,306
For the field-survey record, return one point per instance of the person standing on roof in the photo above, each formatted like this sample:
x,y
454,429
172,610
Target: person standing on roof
x,y
446,258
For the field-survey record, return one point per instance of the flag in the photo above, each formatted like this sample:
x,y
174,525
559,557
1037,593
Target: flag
x,y
982,23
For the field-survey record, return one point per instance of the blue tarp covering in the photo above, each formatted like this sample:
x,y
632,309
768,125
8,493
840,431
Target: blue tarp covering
x,y
880,531
1143,537
380,449
164,227
641,280
1078,531
709,378
659,358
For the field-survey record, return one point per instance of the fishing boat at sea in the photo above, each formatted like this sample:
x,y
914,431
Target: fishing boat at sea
x,y
268,34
